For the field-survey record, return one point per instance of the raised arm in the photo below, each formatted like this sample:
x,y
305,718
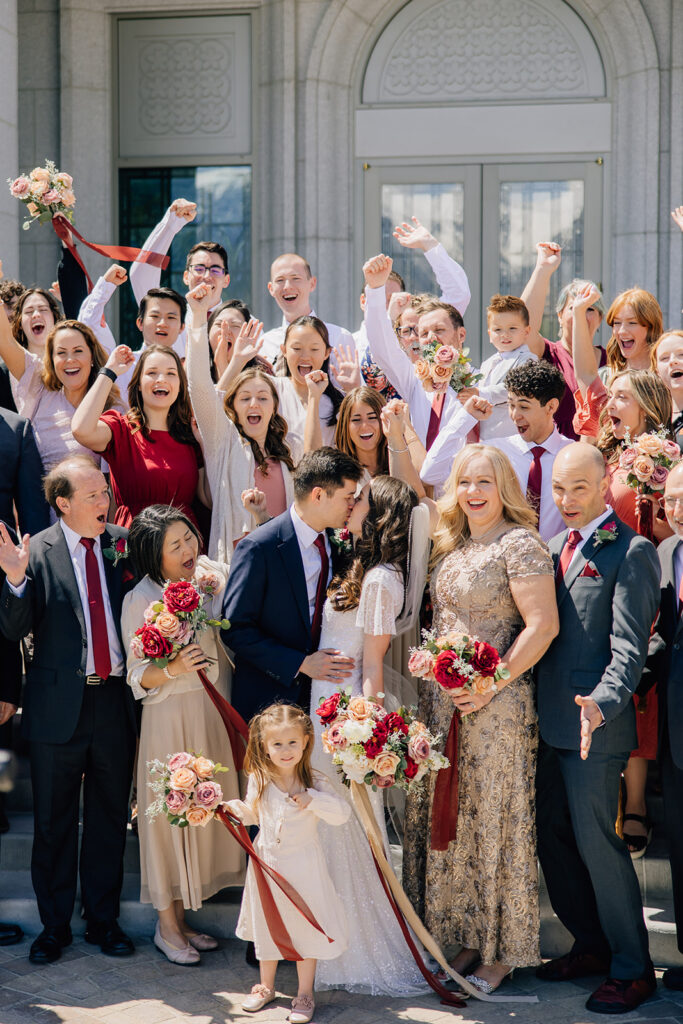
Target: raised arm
x,y
677,215
451,438
86,425
585,356
144,276
384,345
207,402
248,344
450,276
534,295
316,382
91,312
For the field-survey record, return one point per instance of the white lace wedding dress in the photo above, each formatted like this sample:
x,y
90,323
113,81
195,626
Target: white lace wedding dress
x,y
377,961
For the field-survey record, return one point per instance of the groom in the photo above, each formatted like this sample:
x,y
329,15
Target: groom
x,y
277,587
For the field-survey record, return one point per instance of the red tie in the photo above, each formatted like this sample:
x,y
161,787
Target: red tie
x,y
533,487
321,592
680,596
434,419
98,619
570,546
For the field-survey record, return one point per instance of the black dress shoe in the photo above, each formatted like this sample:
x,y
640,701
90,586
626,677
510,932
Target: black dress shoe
x,y
673,978
573,965
9,934
109,937
49,945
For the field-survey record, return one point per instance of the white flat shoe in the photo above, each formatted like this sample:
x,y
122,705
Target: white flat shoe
x,y
302,1010
185,956
259,997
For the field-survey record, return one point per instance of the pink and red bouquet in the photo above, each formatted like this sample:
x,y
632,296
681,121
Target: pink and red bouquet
x,y
378,747
185,789
457,661
441,366
648,461
44,192
174,621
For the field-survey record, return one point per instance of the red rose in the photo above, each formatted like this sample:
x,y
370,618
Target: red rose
x,y
446,673
327,710
121,546
373,748
411,768
181,597
344,534
153,643
394,723
486,658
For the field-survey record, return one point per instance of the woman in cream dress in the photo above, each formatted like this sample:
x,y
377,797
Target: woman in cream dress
x,y
179,867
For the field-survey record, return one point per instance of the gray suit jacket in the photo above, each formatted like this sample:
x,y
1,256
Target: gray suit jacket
x,y
665,657
605,622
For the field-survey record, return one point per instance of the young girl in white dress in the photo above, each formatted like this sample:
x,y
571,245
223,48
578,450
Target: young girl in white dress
x,y
286,798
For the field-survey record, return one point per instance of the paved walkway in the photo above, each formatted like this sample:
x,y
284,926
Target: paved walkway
x,y
85,987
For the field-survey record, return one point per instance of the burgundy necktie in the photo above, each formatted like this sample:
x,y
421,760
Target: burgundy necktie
x,y
680,596
98,619
570,546
321,591
434,419
533,487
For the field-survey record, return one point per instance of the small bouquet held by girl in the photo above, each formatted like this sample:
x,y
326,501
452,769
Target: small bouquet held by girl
x,y
648,461
442,366
378,747
44,192
185,788
457,661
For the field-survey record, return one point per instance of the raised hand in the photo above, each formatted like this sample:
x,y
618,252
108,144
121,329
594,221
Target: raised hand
x,y
590,718
478,407
316,382
346,368
397,303
115,275
376,270
249,340
585,298
549,256
200,299
121,359
56,291
414,236
254,502
465,393
184,208
13,557
393,418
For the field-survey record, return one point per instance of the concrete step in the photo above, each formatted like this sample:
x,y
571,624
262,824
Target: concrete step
x,y
15,846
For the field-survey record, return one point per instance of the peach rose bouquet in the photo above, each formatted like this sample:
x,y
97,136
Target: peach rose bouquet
x,y
442,366
185,789
378,747
457,661
648,461
44,192
174,621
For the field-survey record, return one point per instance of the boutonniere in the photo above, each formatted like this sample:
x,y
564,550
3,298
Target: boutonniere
x,y
342,541
605,533
117,551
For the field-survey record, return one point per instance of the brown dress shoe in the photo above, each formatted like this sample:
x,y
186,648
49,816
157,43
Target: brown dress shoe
x,y
573,965
618,996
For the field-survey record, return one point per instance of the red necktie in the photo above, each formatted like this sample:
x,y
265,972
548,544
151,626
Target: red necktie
x,y
680,596
570,546
321,591
434,419
533,487
98,619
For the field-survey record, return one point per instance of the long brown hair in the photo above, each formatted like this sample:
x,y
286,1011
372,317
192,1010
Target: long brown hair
x,y
256,760
318,325
17,329
99,358
385,539
342,435
648,314
275,445
653,397
179,417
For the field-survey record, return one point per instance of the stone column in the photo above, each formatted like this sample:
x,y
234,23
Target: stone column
x,y
10,208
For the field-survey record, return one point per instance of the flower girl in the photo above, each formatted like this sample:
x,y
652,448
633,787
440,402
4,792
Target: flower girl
x,y
285,798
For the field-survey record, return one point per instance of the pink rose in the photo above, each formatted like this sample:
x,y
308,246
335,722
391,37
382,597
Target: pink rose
x,y
180,760
184,634
39,188
672,451
68,198
150,614
658,479
627,458
203,767
420,664
198,816
209,583
334,738
64,179
208,794
445,355
53,196
167,624
20,187
643,468
183,778
419,747
136,648
383,781
40,174
176,801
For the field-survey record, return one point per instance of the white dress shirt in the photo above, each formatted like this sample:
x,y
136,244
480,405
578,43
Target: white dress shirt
x,y
274,339
491,387
310,556
589,529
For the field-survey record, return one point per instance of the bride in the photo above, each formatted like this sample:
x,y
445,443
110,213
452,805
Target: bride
x,y
375,599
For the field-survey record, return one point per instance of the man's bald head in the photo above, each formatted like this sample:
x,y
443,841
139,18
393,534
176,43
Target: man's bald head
x,y
580,484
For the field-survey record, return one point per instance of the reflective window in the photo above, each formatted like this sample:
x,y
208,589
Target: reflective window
x,y
438,206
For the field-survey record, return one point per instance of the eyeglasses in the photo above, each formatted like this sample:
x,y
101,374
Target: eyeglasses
x,y
405,332
200,270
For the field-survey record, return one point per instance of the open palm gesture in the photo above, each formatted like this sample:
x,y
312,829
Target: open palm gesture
x,y
13,557
346,368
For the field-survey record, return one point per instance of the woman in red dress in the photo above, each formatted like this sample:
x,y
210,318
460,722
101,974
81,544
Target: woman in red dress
x,y
152,454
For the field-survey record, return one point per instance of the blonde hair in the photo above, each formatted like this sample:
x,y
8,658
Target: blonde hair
x,y
655,347
648,314
453,526
257,761
653,397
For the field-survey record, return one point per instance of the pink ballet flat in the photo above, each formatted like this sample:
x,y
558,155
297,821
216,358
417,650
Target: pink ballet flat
x,y
204,943
259,997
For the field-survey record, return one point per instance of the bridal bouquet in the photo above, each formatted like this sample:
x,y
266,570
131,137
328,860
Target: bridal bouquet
x,y
44,192
174,621
381,748
648,461
457,661
185,789
442,365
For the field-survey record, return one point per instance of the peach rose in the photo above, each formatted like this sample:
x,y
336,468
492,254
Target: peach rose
x,y
643,467
422,369
39,188
419,747
359,709
671,450
20,187
40,174
440,374
482,684
68,198
650,444
64,179
445,355
183,778
334,739
168,624
203,767
198,816
32,209
420,664
386,764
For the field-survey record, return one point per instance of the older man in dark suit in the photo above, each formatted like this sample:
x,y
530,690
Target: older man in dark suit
x,y
77,712
607,580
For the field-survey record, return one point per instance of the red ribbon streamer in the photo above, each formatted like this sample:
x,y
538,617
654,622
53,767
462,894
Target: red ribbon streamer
x,y
64,230
644,518
235,726
445,803
276,925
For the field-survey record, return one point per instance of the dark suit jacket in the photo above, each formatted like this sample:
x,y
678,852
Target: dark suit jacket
x,y
600,651
6,396
51,608
21,475
665,656
270,627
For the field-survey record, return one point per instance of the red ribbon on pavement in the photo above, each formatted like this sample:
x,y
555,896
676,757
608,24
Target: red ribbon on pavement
x,y
445,803
235,726
64,230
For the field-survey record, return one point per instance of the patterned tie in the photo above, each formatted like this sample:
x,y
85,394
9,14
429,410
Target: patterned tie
x,y
98,619
321,591
434,419
533,487
570,546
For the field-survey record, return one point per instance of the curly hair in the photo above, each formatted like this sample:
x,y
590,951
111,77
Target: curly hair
x,y
179,418
653,397
17,329
275,445
257,762
99,358
10,289
648,314
342,438
385,539
536,379
332,393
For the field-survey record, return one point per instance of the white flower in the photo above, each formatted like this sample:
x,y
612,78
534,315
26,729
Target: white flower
x,y
357,732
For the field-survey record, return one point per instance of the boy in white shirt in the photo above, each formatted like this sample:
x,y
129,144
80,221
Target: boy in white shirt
x,y
507,320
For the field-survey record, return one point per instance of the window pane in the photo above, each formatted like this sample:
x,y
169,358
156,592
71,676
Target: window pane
x,y
223,198
540,211
441,208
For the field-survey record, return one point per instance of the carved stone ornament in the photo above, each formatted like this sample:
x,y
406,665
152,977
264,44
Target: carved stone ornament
x,y
186,85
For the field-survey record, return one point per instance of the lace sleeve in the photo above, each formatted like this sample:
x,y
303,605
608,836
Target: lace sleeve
x,y
134,605
526,555
380,602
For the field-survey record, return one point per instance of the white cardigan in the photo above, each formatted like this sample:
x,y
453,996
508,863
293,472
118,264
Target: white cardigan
x,y
230,462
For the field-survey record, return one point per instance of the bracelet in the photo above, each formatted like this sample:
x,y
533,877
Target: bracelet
x,y
106,371
397,451
167,673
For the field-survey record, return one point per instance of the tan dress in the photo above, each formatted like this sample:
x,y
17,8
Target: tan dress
x,y
188,864
482,892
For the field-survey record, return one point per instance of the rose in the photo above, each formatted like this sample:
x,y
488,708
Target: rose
x,y
445,355
420,664
168,625
394,723
40,174
482,684
136,648
439,373
68,198
176,801
627,458
53,196
20,187
210,582
181,596
198,816
180,760
375,745
658,479
643,467
327,709
183,778
422,369
355,768
386,764
344,534
120,546
359,709
203,767
64,179
419,747
383,781
335,738
208,794
38,189
411,768
485,659
150,614
671,450
650,444
445,672
155,645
